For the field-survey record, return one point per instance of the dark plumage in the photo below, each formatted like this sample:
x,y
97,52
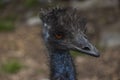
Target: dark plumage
x,y
63,30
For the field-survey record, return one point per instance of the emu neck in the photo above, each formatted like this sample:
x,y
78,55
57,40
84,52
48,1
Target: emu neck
x,y
62,67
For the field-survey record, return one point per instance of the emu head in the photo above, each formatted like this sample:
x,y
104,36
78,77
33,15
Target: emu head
x,y
64,29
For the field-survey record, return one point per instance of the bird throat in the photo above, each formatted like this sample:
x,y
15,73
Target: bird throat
x,y
61,66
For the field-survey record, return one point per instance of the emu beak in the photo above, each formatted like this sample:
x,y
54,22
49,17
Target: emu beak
x,y
81,44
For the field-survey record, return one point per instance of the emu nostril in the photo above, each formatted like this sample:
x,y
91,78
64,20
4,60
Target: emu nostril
x,y
86,48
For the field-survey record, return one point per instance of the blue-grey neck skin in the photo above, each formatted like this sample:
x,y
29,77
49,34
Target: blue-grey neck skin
x,y
61,65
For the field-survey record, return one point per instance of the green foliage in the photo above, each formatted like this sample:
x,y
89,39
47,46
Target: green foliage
x,y
31,3
7,23
10,18
1,3
11,66
75,53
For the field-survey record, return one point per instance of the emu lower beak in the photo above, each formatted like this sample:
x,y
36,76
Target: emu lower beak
x,y
83,45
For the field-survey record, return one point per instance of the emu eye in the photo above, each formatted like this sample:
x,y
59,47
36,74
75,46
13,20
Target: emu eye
x,y
59,36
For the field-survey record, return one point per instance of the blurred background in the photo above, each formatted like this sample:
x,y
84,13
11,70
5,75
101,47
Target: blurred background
x,y
23,55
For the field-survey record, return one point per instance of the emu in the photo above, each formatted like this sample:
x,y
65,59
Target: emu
x,y
64,30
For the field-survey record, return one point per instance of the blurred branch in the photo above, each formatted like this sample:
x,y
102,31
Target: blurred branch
x,y
86,4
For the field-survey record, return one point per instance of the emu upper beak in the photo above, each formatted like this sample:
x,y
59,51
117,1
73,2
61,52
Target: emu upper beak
x,y
81,44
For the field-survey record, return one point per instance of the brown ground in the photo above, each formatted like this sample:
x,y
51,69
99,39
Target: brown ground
x,y
26,45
